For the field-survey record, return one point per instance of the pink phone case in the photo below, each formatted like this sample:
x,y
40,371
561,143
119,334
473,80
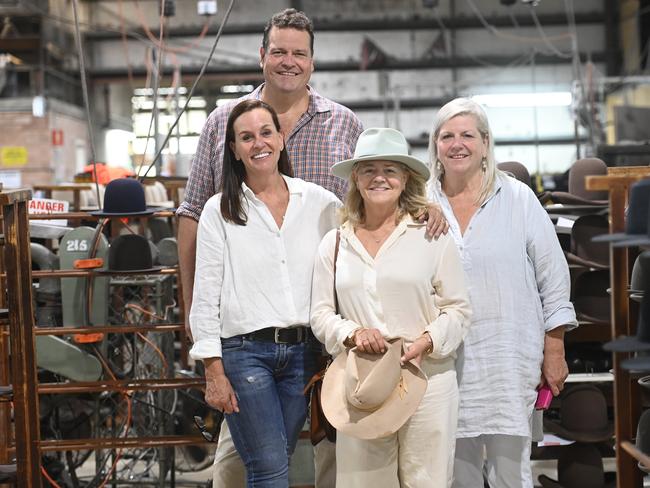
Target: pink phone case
x,y
544,397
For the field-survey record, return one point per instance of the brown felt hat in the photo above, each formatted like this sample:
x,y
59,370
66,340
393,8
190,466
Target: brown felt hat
x,y
579,466
583,416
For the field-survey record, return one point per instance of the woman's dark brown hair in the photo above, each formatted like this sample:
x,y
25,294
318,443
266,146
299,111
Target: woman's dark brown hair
x,y
234,172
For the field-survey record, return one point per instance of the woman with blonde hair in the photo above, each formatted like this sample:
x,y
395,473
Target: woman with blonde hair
x,y
519,290
393,286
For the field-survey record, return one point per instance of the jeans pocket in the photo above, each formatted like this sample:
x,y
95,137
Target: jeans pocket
x,y
232,343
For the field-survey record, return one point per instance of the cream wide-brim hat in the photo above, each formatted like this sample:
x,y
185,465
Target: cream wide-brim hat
x,y
381,144
369,396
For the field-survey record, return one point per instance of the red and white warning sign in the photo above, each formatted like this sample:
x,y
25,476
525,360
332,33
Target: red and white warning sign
x,y
49,206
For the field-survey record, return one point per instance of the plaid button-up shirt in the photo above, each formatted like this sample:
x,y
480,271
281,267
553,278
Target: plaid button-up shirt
x,y
325,134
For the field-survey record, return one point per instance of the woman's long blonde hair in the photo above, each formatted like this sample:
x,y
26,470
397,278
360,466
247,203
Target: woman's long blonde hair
x,y
412,201
465,106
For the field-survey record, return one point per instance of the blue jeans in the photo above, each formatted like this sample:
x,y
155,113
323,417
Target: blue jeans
x,y
268,380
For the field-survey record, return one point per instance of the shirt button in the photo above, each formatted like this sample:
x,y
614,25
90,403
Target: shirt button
x,y
283,261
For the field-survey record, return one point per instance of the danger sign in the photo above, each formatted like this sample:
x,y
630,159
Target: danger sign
x,y
49,206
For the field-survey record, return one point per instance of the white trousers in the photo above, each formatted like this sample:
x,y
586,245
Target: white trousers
x,y
229,471
419,455
506,458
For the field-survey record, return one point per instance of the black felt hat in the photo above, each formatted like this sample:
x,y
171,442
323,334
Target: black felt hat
x,y
131,253
638,342
636,220
124,197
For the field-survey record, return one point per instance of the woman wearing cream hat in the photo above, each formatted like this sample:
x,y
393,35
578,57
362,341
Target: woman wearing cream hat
x,y
391,391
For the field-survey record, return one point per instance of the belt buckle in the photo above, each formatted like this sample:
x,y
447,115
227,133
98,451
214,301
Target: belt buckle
x,y
299,335
276,336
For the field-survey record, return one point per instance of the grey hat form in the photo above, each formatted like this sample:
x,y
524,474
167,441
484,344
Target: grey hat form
x,y
636,220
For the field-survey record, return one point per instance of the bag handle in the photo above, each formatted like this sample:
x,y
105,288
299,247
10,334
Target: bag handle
x,y
336,256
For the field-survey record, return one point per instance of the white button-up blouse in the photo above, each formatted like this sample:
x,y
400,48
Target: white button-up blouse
x,y
257,275
519,287
412,285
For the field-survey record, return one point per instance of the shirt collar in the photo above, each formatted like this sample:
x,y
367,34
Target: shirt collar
x,y
293,185
317,103
347,229
496,188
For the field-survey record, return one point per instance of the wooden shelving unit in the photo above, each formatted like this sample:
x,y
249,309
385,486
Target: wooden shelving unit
x,y
627,403
21,438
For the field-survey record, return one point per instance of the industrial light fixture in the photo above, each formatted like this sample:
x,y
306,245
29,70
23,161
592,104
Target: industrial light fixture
x,y
542,99
207,7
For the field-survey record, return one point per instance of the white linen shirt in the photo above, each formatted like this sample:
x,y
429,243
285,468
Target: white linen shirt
x,y
257,275
519,289
411,286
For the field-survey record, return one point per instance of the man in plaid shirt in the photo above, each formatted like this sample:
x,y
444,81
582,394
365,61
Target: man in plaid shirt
x,y
318,133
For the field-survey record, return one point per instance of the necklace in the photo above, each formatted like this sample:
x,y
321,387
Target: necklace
x,y
380,238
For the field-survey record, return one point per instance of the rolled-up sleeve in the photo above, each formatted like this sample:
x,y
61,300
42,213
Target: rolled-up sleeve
x,y
205,318
449,329
551,269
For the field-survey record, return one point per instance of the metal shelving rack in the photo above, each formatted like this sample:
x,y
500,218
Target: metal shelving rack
x,y
18,359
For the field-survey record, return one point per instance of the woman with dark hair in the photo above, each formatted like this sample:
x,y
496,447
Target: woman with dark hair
x,y
250,310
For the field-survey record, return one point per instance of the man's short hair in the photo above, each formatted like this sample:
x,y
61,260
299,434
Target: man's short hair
x,y
289,18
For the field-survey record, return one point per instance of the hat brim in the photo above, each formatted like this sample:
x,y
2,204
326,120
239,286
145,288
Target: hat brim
x,y
640,364
343,169
644,381
547,482
634,240
101,213
154,269
383,421
599,435
626,344
637,297
616,237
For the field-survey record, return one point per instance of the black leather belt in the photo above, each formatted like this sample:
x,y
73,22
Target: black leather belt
x,y
281,335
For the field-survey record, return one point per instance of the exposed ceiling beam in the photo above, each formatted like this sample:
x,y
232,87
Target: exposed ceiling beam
x,y
252,71
459,22
552,141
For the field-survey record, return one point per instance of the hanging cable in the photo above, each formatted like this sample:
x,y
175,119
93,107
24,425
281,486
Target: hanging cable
x,y
507,36
521,60
547,42
159,52
84,91
189,95
129,69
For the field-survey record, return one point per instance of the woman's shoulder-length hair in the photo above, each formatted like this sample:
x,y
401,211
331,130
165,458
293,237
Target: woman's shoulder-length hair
x,y
233,171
